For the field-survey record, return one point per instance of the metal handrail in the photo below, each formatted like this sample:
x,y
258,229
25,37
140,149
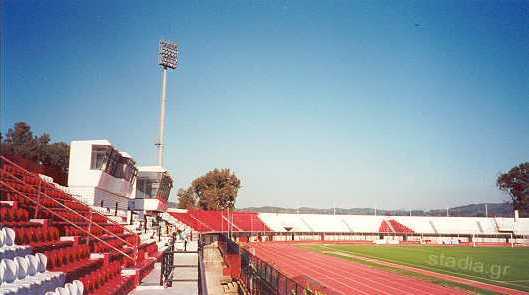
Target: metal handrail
x,y
66,220
166,267
202,283
228,221
52,187
257,268
198,220
82,216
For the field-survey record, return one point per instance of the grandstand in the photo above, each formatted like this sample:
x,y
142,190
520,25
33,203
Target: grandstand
x,y
55,242
50,242
224,221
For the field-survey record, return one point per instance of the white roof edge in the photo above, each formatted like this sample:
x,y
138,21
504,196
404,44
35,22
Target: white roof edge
x,y
125,155
152,169
102,142
93,141
176,210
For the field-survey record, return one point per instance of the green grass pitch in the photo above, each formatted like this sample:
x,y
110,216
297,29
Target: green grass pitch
x,y
508,267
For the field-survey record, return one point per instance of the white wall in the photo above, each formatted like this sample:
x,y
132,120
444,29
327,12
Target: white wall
x,y
95,185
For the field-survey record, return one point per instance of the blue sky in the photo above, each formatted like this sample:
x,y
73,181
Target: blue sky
x,y
394,104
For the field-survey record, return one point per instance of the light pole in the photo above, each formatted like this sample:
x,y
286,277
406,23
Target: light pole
x,y
168,60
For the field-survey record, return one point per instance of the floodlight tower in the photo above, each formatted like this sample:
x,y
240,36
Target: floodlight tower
x,y
168,60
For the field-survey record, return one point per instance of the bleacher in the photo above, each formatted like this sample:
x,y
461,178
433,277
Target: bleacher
x,y
522,226
456,225
419,224
73,245
399,227
220,221
385,227
393,224
324,223
362,223
248,221
285,222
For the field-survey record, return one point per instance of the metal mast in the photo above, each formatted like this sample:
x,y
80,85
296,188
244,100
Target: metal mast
x,y
168,60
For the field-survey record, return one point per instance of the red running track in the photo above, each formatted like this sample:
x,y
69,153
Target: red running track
x,y
341,276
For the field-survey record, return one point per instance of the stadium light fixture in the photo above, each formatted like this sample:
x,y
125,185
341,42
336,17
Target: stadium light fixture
x,y
168,54
168,59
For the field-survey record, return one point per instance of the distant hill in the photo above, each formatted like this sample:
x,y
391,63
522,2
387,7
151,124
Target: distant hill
x,y
472,210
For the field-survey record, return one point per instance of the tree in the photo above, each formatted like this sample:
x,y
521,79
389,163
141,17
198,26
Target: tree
x,y
186,199
516,184
217,190
19,142
56,155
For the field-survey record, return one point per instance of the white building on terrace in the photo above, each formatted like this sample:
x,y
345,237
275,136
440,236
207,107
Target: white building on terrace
x,y
101,175
152,189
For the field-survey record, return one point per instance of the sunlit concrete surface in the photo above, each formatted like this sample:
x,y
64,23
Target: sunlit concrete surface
x,y
185,276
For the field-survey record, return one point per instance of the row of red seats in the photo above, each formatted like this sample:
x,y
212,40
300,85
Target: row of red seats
x,y
66,256
100,247
72,217
122,259
96,282
73,261
213,219
95,230
55,193
36,235
47,214
13,215
191,221
247,221
399,227
202,220
8,168
32,180
129,238
27,182
12,196
32,192
20,186
75,218
78,207
384,227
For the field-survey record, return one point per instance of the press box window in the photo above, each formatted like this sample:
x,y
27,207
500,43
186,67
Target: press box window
x,y
99,157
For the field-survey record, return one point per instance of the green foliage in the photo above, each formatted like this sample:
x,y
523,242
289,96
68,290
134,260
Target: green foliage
x,y
217,190
186,199
516,184
20,141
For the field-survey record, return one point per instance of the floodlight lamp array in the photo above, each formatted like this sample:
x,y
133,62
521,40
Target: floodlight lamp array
x,y
168,54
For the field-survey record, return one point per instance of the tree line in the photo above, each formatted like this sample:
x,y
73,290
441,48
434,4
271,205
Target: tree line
x,y
36,153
